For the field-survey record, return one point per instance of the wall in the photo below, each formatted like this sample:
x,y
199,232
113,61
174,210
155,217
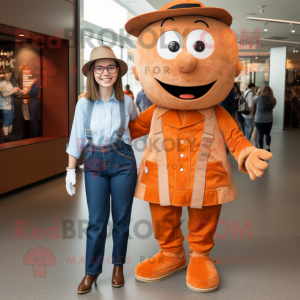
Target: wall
x,y
278,84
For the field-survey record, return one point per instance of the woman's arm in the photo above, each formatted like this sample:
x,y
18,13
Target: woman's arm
x,y
72,162
132,110
13,91
77,138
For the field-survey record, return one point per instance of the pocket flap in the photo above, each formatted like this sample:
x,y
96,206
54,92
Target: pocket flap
x,y
151,165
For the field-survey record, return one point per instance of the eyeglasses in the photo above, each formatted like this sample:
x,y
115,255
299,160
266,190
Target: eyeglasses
x,y
110,69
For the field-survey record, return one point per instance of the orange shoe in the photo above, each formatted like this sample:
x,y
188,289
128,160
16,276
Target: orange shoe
x,y
159,267
202,276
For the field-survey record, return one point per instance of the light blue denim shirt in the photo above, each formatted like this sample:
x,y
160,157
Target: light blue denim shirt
x,y
105,123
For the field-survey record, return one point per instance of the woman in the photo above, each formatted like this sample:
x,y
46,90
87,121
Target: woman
x,y
6,105
238,95
255,132
128,92
265,104
102,116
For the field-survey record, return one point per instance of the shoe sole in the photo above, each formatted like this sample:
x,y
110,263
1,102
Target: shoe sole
x,y
83,292
117,286
160,278
202,290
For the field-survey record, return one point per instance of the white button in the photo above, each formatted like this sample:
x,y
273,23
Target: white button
x,y
181,141
181,170
182,155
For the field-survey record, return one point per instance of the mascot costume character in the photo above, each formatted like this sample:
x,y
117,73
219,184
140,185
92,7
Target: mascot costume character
x,y
186,59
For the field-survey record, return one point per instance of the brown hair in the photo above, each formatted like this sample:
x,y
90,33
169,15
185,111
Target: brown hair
x,y
236,86
92,86
267,91
3,72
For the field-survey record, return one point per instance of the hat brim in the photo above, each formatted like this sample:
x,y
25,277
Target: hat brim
x,y
123,65
137,24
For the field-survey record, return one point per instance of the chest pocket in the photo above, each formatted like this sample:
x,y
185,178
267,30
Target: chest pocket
x,y
216,175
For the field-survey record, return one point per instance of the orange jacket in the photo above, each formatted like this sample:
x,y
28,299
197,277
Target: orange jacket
x,y
185,139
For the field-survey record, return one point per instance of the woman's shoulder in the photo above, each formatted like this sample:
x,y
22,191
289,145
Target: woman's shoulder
x,y
81,104
128,100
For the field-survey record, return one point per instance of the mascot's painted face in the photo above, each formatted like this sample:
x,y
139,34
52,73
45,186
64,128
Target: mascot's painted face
x,y
187,62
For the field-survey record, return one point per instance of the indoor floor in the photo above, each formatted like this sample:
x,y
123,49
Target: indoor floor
x,y
261,262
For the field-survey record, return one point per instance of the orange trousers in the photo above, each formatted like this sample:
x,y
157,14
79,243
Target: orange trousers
x,y
202,225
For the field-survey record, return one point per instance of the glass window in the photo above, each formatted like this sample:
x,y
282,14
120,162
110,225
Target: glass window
x,y
106,14
30,76
255,71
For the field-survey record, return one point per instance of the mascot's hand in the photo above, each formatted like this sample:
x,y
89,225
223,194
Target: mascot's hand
x,y
254,163
70,181
81,95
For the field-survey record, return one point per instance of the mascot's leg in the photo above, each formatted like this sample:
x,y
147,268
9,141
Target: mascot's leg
x,y
171,259
202,275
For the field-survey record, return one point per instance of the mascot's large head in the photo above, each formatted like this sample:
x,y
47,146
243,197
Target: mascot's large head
x,y
186,55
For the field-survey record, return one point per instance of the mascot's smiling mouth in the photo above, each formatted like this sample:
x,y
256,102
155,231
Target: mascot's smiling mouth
x,y
187,92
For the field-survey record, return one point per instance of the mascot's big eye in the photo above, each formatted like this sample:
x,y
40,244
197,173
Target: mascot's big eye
x,y
199,46
174,46
169,44
200,43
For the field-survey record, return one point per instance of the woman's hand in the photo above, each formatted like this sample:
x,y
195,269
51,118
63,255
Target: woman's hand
x,y
70,181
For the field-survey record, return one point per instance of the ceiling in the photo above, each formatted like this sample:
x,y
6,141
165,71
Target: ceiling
x,y
240,10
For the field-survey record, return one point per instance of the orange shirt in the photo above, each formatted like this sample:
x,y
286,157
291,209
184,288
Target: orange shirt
x,y
129,93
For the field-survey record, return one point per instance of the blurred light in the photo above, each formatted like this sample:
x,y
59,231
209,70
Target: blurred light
x,y
293,28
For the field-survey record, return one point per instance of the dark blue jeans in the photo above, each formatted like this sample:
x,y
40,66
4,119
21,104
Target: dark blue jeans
x,y
242,121
264,129
34,108
7,117
109,172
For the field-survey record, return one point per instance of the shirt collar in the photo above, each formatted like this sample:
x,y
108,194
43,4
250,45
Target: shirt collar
x,y
113,97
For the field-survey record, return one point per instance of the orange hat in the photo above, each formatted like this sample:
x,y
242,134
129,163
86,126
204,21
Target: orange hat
x,y
174,9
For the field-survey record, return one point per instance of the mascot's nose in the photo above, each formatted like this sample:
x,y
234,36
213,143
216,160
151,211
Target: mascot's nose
x,y
185,62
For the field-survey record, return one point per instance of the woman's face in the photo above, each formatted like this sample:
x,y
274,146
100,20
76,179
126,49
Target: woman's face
x,y
105,79
7,76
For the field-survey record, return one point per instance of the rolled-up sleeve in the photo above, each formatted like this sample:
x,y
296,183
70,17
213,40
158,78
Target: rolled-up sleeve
x,y
132,110
77,138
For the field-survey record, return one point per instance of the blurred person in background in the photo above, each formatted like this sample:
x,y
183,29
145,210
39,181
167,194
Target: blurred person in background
x,y
249,119
238,95
265,103
128,92
6,104
35,105
229,103
142,101
255,132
